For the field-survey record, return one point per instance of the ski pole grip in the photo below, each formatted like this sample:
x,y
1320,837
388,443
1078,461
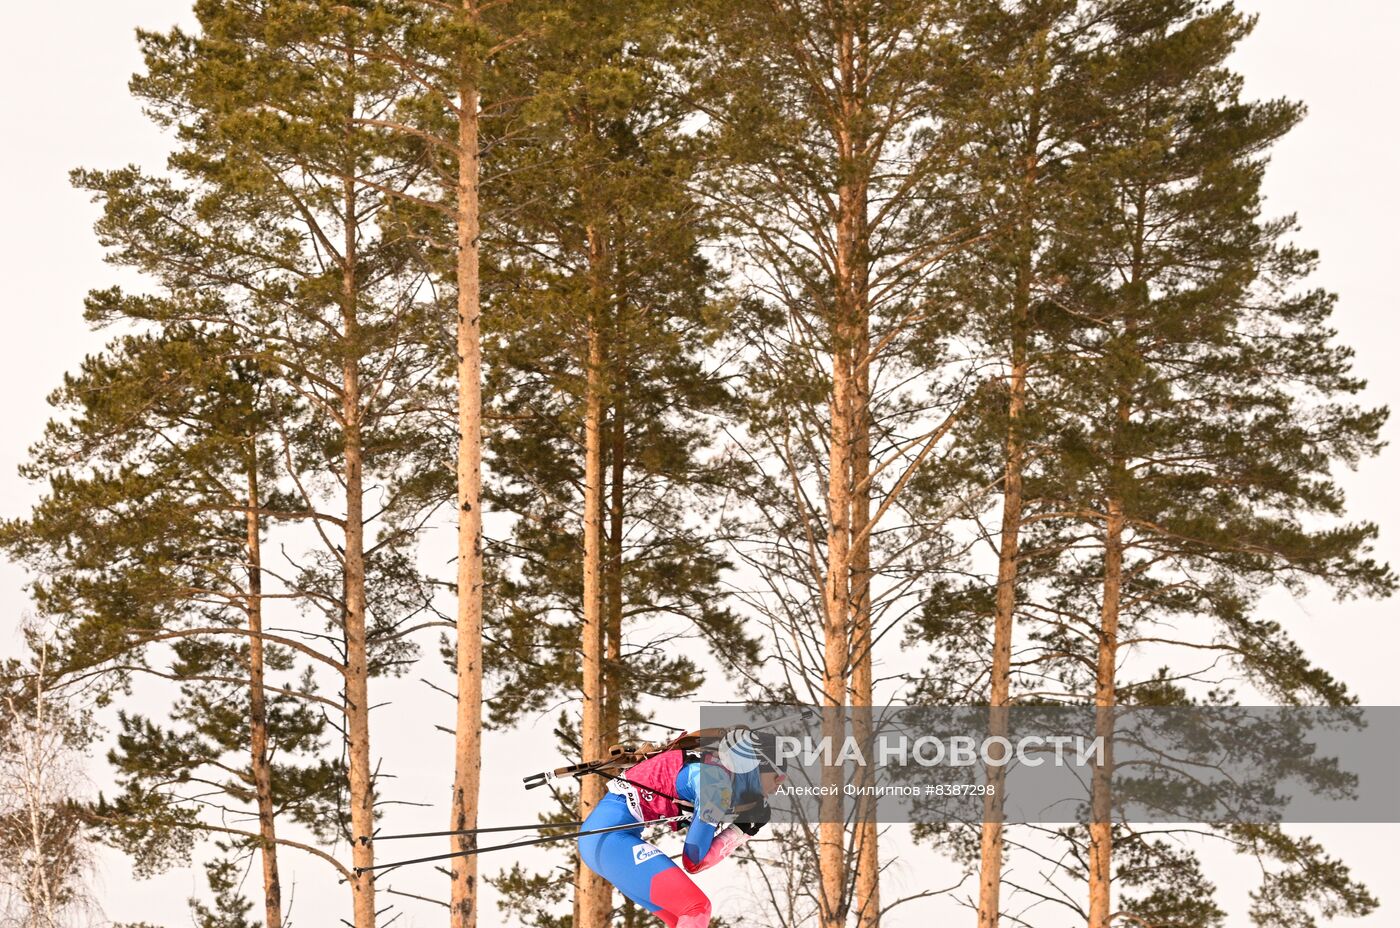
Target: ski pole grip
x,y
536,779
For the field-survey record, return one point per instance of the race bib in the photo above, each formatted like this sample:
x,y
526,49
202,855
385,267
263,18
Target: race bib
x,y
628,792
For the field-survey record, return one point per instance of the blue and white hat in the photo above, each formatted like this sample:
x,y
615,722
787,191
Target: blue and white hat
x,y
738,751
746,755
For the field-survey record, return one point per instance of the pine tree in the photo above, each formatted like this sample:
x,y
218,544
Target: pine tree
x,y
1210,255
442,52
167,436
1209,401
832,171
283,197
1029,56
1035,89
599,385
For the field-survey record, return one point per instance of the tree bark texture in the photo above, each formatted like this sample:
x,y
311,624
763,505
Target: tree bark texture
x,y
848,315
1105,697
466,784
593,900
356,691
867,837
261,769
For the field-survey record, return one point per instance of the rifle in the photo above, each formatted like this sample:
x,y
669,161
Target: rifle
x,y
629,753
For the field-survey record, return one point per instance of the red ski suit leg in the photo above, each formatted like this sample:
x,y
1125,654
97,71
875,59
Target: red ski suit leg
x,y
682,904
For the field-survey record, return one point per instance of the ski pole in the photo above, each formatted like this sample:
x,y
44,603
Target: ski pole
x,y
366,839
504,847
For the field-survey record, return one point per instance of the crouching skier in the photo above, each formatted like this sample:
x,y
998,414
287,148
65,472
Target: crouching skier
x,y
716,788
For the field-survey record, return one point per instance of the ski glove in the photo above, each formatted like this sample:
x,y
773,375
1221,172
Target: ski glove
x,y
751,820
729,840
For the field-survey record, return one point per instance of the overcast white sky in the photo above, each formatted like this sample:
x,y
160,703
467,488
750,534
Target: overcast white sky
x,y
65,105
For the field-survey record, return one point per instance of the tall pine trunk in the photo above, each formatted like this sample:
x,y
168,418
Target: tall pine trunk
x,y
593,899
1105,697
466,783
993,838
1106,665
867,838
1008,560
257,708
361,781
831,859
845,425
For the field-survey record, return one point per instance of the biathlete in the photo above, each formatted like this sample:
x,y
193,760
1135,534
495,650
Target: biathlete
x,y
725,792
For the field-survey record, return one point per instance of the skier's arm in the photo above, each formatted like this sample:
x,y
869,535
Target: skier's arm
x,y
708,788
699,839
